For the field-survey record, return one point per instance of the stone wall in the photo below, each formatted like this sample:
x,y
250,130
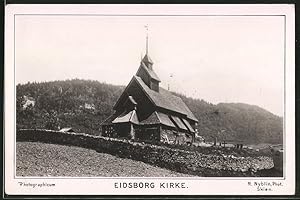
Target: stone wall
x,y
173,137
189,162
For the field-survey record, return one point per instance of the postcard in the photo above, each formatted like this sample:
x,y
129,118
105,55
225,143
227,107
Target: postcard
x,y
149,99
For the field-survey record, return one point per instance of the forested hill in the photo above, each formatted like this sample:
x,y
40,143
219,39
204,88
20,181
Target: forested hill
x,y
84,104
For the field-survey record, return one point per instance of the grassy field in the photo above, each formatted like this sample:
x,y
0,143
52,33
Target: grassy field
x,y
39,159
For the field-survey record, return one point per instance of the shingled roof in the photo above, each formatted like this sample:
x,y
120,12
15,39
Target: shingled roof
x,y
178,122
152,119
166,100
158,118
151,73
130,116
165,120
147,59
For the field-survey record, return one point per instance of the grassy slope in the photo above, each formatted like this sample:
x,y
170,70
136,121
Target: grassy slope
x,y
39,159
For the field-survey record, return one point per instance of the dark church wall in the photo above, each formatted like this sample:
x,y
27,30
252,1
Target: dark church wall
x,y
147,133
123,130
141,132
154,85
120,130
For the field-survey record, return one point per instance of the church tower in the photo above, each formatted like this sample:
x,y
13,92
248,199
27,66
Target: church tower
x,y
146,72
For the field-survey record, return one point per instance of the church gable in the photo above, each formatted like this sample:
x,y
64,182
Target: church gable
x,y
144,105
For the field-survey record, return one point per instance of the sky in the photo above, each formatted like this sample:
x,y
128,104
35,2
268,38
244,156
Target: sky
x,y
214,58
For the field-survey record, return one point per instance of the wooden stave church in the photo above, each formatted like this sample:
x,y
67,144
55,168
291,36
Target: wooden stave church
x,y
147,112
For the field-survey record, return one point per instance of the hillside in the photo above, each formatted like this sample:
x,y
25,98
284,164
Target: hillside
x,y
236,121
40,159
81,104
84,104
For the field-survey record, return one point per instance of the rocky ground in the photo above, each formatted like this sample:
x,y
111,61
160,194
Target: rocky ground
x,y
40,159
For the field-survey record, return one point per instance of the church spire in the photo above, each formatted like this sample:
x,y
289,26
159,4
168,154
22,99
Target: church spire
x,y
146,39
147,60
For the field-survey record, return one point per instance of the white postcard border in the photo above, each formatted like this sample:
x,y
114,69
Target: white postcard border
x,y
106,186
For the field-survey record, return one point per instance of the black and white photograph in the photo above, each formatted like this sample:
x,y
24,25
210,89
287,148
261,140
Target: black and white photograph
x,y
132,94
